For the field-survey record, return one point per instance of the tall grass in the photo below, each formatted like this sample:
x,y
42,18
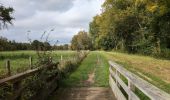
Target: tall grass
x,y
20,59
153,70
16,55
39,84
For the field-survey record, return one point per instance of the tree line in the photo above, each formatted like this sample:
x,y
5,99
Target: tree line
x,y
8,45
133,26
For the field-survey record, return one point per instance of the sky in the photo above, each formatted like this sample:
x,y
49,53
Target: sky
x,y
61,19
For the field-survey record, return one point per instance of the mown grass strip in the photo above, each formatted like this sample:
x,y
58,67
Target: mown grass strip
x,y
81,74
102,71
94,62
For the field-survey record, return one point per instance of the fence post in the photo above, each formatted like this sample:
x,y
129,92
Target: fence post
x,y
61,57
131,88
30,62
8,67
117,75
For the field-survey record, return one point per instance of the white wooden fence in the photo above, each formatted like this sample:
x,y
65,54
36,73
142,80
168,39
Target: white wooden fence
x,y
133,82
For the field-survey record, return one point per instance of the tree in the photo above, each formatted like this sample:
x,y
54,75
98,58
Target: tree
x,y
7,45
94,30
81,41
47,46
5,16
136,26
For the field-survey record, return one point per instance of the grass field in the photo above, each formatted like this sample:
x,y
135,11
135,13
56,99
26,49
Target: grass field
x,y
20,59
155,71
95,63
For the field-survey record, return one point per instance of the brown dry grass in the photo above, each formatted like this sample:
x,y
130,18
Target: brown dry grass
x,y
157,67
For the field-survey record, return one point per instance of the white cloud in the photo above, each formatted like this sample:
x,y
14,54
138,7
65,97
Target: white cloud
x,y
66,16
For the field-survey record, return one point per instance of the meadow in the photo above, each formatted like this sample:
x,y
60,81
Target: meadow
x,y
95,67
19,60
93,71
156,71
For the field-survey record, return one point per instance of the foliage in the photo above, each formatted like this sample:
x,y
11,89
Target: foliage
x,y
61,47
135,26
81,41
38,85
6,45
5,16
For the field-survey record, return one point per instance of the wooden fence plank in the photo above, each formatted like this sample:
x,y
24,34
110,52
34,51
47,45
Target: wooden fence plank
x,y
116,90
124,86
148,89
16,81
18,77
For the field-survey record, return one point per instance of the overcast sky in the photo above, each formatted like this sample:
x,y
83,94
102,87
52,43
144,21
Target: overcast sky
x,y
66,17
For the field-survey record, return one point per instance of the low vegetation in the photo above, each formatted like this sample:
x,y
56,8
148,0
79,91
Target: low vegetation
x,y
20,59
38,85
131,26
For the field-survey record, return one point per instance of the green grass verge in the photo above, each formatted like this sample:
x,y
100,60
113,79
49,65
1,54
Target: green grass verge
x,y
153,70
102,71
89,65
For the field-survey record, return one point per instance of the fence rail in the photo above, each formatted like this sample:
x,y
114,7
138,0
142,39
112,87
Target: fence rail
x,y
117,84
16,81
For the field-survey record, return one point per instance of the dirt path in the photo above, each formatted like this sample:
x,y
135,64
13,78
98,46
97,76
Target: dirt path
x,y
87,91
90,81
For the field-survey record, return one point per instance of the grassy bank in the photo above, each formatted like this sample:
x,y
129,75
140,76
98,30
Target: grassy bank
x,y
155,71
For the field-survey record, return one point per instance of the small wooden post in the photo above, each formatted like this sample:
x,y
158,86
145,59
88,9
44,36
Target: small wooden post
x,y
131,88
117,75
8,67
61,57
30,62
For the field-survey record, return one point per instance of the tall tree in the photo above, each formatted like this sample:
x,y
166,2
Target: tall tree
x,y
81,41
136,26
